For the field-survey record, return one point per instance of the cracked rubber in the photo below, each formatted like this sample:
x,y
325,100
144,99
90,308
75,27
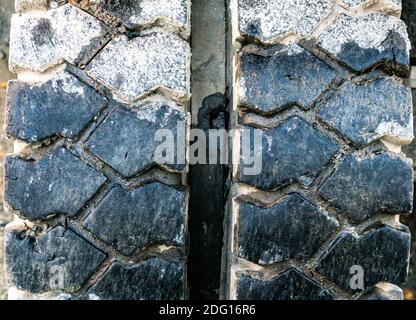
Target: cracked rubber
x,y
96,216
323,85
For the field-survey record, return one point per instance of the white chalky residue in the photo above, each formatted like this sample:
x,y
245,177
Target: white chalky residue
x,y
40,40
294,49
395,131
147,114
141,12
268,257
93,296
368,31
274,18
269,143
135,67
242,89
174,10
68,83
179,238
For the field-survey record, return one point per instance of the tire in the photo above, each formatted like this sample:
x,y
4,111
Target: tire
x,y
96,216
322,83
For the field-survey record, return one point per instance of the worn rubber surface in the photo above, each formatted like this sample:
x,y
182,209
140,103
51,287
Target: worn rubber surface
x,y
322,80
95,216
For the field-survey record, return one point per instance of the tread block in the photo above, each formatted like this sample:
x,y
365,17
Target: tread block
x,y
272,83
293,151
61,106
364,187
58,183
153,279
139,66
367,40
39,41
382,253
33,264
293,228
131,220
268,19
289,285
136,13
367,111
126,139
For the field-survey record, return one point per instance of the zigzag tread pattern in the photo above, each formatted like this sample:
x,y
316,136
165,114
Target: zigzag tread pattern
x,y
92,203
333,112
